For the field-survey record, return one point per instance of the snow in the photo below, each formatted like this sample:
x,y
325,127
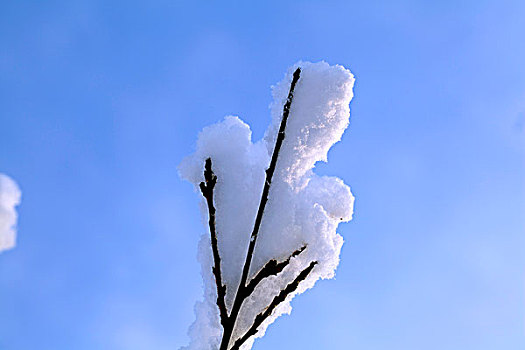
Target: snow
x,y
303,208
9,199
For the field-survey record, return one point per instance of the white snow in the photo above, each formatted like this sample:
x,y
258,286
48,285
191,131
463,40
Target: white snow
x,y
303,208
9,199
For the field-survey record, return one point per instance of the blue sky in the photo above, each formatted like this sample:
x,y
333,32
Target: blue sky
x,y
100,102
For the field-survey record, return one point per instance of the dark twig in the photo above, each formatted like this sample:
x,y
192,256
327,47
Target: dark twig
x,y
260,318
241,294
272,268
207,191
269,175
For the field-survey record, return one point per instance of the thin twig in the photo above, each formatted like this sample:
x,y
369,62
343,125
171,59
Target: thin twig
x,y
241,295
272,268
207,191
260,318
269,175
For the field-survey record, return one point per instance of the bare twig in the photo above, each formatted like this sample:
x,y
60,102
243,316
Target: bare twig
x,y
241,294
207,191
272,268
260,318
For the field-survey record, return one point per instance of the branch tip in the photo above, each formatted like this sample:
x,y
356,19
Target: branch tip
x,y
207,191
272,268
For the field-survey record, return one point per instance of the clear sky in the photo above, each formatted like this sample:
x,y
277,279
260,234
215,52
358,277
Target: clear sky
x,y
100,101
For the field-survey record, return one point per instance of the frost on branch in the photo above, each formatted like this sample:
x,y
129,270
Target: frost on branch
x,y
9,199
257,255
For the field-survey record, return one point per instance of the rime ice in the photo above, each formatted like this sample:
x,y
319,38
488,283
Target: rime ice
x,y
303,208
9,199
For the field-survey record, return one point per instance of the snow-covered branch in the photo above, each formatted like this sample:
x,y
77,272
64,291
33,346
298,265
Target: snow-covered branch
x,y
242,289
269,188
207,191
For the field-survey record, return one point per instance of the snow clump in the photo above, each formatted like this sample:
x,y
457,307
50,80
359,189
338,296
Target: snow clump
x,y
9,199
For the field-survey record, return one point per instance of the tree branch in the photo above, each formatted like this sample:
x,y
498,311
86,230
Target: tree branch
x,y
268,182
260,318
241,294
207,191
272,268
